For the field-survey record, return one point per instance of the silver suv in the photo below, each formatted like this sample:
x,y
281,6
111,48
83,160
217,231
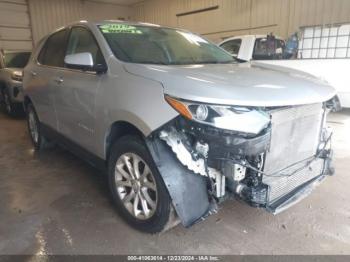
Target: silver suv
x,y
177,124
11,66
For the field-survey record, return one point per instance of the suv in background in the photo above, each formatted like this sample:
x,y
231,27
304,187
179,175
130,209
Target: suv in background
x,y
11,66
176,122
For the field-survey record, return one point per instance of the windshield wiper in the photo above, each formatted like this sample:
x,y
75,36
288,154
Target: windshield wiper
x,y
151,62
216,62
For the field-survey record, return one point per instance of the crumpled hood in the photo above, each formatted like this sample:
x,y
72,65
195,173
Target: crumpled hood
x,y
244,84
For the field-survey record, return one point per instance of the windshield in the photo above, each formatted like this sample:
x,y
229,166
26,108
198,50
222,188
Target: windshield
x,y
17,60
156,45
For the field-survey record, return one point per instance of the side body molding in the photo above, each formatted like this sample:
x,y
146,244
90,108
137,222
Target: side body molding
x,y
187,190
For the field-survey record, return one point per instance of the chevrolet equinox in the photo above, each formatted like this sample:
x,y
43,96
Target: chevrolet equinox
x,y
177,124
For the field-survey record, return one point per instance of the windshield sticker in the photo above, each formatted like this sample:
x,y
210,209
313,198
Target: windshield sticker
x,y
119,28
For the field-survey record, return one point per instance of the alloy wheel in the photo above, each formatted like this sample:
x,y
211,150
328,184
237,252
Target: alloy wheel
x,y
136,186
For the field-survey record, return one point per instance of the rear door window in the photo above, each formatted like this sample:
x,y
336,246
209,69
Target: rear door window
x,y
232,46
52,54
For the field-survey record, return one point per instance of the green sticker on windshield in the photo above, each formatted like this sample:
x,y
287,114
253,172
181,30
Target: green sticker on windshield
x,y
119,28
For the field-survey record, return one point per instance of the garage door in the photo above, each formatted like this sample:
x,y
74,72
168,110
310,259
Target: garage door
x,y
15,32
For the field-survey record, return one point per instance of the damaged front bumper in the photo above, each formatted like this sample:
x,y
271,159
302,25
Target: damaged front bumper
x,y
295,196
203,166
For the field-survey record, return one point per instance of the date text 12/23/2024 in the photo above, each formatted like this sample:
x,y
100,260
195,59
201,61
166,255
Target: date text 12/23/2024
x,y
173,258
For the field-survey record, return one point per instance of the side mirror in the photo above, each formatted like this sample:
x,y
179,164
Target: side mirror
x,y
84,61
81,61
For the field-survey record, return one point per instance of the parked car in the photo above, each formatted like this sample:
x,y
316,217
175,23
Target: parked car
x,y
254,48
11,66
178,125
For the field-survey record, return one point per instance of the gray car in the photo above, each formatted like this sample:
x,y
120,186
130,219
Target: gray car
x,y
11,66
176,123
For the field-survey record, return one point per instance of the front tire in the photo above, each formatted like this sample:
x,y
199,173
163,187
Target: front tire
x,y
137,188
34,128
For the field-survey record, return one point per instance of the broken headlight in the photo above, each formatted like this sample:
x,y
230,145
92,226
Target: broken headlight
x,y
235,118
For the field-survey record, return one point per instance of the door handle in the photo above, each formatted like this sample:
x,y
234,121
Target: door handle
x,y
59,80
33,73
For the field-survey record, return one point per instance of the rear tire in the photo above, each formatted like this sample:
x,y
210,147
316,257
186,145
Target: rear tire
x,y
137,188
34,128
10,108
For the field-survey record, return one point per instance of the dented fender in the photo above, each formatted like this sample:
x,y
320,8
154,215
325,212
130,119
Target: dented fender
x,y
187,190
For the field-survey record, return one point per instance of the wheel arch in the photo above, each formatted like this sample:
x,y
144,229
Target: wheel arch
x,y
178,179
26,102
338,101
119,129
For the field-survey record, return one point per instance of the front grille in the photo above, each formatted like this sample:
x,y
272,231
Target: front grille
x,y
294,139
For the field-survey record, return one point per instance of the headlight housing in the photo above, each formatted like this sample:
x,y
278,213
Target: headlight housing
x,y
234,118
17,75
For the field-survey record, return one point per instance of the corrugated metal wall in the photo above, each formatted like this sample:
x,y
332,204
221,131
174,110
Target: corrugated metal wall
x,y
236,17
233,17
15,33
103,11
47,15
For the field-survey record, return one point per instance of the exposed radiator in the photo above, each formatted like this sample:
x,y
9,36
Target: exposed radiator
x,y
294,139
280,186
